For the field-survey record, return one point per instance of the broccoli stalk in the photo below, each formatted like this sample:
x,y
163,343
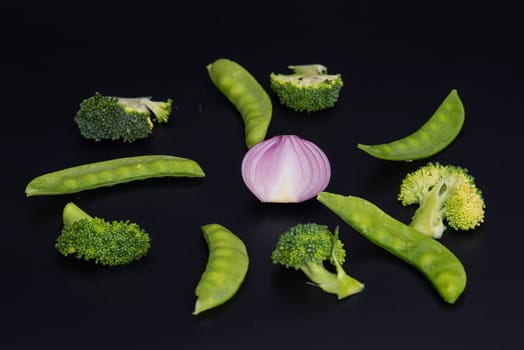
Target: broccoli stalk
x,y
340,283
112,118
306,247
108,243
309,88
72,213
160,109
428,217
442,193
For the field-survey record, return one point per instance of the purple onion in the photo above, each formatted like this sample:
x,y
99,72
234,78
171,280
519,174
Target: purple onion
x,y
285,169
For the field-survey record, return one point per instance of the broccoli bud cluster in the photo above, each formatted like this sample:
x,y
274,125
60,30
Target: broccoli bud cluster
x,y
112,118
108,243
443,192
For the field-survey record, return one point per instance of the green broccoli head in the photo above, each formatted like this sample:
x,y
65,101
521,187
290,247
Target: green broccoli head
x,y
443,192
112,118
306,243
307,247
107,243
309,88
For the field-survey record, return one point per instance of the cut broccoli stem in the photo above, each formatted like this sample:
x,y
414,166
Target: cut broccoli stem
x,y
429,216
160,109
134,102
309,69
73,213
340,283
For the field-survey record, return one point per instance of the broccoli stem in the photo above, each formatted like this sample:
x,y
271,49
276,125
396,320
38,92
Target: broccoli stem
x,y
309,69
340,283
429,216
73,213
134,102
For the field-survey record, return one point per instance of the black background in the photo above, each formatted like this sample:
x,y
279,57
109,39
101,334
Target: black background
x,y
398,61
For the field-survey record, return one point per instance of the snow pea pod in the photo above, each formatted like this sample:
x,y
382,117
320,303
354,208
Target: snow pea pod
x,y
440,266
112,172
225,270
432,137
246,94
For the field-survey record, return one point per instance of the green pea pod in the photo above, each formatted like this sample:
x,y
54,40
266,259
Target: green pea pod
x,y
440,266
112,172
246,94
432,137
225,270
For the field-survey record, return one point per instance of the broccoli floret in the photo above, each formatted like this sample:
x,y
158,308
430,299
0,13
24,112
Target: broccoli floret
x,y
107,243
442,192
309,88
112,118
306,247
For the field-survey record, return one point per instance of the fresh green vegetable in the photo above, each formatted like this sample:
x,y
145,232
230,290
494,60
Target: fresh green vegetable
x,y
440,266
432,137
442,192
306,247
226,268
107,243
112,172
309,88
246,94
112,118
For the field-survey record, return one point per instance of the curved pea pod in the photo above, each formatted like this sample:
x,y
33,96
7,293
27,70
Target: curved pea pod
x,y
112,172
432,137
246,94
440,266
226,268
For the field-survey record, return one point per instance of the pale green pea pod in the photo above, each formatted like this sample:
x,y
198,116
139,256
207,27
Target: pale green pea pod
x,y
112,172
440,266
226,268
246,94
432,137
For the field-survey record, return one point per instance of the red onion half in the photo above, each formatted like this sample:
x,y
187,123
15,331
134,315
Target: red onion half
x,y
285,169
